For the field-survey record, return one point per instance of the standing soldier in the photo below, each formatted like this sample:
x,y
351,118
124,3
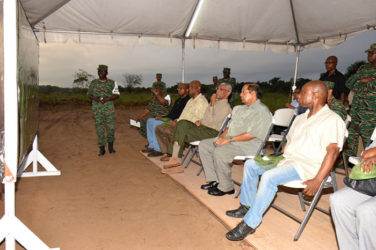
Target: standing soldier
x,y
363,108
102,92
333,103
212,89
231,80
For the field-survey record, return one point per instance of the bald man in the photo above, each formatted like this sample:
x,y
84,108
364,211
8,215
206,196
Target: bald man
x,y
313,144
333,75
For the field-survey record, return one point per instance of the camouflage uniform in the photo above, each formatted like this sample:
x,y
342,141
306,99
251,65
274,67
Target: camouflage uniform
x,y
104,114
363,108
155,107
231,80
337,106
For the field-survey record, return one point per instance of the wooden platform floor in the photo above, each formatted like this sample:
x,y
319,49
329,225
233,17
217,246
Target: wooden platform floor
x,y
277,230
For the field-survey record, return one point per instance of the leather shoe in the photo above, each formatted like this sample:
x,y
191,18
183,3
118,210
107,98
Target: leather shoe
x,y
210,185
240,232
154,153
147,150
238,213
216,192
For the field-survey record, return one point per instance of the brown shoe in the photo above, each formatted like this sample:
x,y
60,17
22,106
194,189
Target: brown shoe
x,y
165,158
174,170
147,150
154,154
173,162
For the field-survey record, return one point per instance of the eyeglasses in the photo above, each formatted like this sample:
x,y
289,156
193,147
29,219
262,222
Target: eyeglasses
x,y
222,89
329,62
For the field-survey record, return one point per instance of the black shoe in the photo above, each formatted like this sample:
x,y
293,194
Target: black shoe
x,y
210,185
216,192
147,150
240,232
111,147
238,213
102,151
155,154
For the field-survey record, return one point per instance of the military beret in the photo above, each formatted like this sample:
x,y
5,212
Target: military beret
x,y
102,67
329,85
228,70
159,75
372,48
215,77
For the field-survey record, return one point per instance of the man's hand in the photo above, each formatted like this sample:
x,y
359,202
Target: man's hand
x,y
172,123
158,117
367,165
222,141
154,90
367,79
213,98
198,123
312,186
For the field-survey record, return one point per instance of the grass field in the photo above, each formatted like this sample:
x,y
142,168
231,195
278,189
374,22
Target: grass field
x,y
273,100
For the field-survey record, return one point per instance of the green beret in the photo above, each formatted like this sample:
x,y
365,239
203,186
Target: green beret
x,y
160,85
372,48
215,77
329,85
102,67
159,75
228,70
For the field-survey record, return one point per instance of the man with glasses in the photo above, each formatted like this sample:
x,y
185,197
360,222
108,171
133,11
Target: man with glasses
x,y
363,108
333,75
207,127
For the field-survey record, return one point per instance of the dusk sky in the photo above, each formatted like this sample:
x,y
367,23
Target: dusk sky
x,y
58,62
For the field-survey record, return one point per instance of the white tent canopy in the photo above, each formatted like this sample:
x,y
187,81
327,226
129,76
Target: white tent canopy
x,y
280,25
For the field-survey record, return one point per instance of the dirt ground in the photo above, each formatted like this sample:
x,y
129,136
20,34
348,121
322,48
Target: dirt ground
x,y
118,201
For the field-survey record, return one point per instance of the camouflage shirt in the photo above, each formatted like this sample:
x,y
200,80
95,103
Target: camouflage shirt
x,y
364,93
156,108
102,89
230,80
337,106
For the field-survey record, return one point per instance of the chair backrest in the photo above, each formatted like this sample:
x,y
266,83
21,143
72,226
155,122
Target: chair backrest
x,y
266,137
373,137
283,117
348,121
224,124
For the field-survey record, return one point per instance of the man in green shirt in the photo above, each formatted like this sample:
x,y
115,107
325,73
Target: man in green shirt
x,y
102,92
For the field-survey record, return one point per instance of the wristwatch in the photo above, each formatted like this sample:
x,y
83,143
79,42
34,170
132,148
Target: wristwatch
x,y
231,139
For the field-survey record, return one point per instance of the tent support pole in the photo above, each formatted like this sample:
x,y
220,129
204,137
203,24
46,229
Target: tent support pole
x,y
11,228
298,50
182,59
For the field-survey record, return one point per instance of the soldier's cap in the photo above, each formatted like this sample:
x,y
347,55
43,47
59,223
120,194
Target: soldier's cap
x,y
159,75
372,48
329,85
215,77
160,85
102,67
228,70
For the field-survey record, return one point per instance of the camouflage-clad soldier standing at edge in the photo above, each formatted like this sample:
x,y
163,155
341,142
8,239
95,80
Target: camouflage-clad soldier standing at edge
x,y
231,80
102,92
333,103
212,88
157,106
363,108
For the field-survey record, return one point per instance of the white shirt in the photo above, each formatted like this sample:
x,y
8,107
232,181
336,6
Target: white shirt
x,y
308,138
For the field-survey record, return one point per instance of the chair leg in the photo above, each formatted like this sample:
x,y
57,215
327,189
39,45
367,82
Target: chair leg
x,y
191,157
201,167
333,181
186,154
345,163
301,200
309,212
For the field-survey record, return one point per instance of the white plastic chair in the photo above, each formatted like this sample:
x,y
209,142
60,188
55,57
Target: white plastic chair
x,y
283,117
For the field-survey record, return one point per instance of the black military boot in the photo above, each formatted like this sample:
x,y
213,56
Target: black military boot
x,y
111,147
102,151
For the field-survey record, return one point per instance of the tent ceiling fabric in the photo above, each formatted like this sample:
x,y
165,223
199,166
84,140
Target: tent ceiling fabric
x,y
235,25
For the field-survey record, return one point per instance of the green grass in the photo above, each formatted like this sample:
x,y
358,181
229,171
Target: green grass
x,y
272,100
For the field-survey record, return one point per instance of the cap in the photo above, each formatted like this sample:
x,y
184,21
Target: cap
x,y
329,85
159,75
228,70
372,48
102,67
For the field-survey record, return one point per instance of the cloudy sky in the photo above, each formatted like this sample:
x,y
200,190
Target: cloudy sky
x,y
58,62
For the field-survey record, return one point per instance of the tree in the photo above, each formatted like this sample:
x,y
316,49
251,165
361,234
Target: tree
x,y
82,79
132,80
353,68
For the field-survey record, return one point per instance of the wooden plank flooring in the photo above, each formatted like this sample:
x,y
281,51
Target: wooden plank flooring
x,y
277,230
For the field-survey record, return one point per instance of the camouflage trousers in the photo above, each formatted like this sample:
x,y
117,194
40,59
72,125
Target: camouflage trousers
x,y
104,117
362,124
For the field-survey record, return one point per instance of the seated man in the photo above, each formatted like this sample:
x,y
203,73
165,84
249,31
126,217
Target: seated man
x,y
194,110
207,127
295,103
313,144
244,134
333,103
153,149
157,106
354,213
